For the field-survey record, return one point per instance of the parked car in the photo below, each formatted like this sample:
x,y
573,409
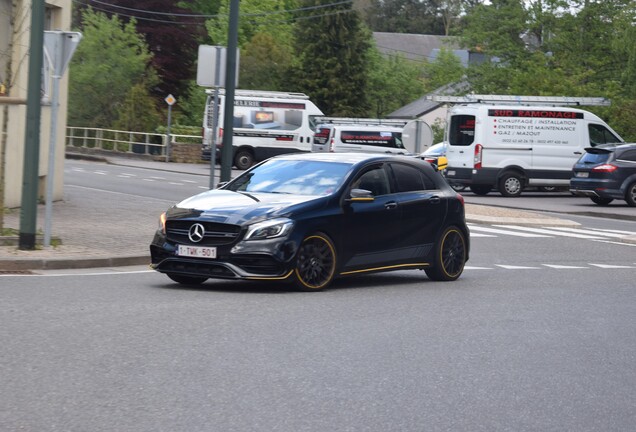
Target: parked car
x,y
310,218
605,173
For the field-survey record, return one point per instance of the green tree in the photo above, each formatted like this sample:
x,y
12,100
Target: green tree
x,y
446,68
393,82
138,112
264,63
332,52
111,59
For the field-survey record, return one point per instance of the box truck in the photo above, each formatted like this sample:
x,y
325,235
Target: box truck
x,y
265,123
508,143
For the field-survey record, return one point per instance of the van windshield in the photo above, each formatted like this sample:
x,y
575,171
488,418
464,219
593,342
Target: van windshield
x,y
462,130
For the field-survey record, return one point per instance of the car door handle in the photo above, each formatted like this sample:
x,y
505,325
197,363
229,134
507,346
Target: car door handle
x,y
390,205
578,153
435,199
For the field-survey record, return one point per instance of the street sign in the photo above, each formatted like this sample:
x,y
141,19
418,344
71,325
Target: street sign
x,y
211,66
59,47
417,136
170,100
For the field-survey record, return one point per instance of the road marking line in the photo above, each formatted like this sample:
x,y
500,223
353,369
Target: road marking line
x,y
564,267
176,184
587,232
511,267
547,231
612,266
499,231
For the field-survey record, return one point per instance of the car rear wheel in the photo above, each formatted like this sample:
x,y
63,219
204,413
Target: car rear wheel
x,y
630,195
601,201
480,189
187,280
511,185
450,256
315,263
243,159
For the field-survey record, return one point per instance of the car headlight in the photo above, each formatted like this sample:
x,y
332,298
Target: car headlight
x,y
269,229
162,222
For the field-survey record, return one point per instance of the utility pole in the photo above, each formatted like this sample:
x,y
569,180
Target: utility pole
x,y
30,174
230,86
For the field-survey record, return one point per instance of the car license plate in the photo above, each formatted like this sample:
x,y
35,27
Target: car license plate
x,y
197,251
450,173
582,174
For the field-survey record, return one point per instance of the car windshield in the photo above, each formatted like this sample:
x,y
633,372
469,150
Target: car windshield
x,y
298,177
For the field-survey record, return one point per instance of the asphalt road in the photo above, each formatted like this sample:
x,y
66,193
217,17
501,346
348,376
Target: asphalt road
x,y
537,334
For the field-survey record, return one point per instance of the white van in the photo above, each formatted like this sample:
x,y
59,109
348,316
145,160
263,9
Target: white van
x,y
509,147
337,135
266,123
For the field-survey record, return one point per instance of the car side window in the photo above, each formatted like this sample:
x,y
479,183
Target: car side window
x,y
374,180
409,178
629,155
599,134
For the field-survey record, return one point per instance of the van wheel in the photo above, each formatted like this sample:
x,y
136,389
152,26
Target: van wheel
x,y
510,185
243,159
480,189
630,195
601,201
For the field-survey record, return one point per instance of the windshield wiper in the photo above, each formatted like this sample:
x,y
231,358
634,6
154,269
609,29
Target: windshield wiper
x,y
249,195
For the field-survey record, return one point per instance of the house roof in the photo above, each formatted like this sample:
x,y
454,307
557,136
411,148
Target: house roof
x,y
423,105
412,46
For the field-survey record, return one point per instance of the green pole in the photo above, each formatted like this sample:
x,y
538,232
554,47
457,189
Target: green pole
x,y
230,85
30,173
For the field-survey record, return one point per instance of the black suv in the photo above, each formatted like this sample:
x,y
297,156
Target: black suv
x,y
605,173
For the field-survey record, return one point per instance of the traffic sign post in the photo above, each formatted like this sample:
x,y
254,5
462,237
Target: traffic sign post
x,y
59,47
170,100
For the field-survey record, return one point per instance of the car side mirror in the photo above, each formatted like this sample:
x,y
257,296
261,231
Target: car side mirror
x,y
360,195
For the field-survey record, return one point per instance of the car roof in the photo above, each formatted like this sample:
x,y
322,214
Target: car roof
x,y
610,147
351,158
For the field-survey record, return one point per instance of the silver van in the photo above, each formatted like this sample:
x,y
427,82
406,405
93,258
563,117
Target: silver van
x,y
338,138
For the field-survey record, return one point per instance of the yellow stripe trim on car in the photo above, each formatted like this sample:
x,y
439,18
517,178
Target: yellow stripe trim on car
x,y
270,278
386,267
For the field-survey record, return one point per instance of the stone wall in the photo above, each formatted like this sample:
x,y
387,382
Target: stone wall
x,y
185,153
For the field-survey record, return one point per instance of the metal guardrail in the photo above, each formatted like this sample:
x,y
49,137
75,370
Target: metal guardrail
x,y
154,144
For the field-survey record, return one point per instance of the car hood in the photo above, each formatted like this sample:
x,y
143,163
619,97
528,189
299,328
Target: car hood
x,y
237,208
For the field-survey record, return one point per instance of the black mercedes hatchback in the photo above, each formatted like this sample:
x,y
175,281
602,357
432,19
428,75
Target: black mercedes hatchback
x,y
605,173
309,218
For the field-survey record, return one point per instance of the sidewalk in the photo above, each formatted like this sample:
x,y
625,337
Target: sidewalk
x,y
84,224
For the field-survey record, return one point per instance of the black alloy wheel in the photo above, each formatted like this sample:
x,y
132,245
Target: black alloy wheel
x,y
243,159
511,185
601,201
480,189
315,263
187,280
630,195
450,256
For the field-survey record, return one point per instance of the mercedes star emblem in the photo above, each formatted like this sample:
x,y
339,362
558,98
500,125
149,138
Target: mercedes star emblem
x,y
196,233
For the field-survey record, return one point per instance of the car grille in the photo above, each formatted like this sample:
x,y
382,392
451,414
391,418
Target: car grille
x,y
216,234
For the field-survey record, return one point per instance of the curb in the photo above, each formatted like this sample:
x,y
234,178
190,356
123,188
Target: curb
x,y
22,264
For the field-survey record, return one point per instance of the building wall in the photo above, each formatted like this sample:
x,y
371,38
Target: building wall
x,y
57,17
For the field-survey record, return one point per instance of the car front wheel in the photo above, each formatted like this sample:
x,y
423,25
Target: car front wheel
x,y
601,201
450,256
315,263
